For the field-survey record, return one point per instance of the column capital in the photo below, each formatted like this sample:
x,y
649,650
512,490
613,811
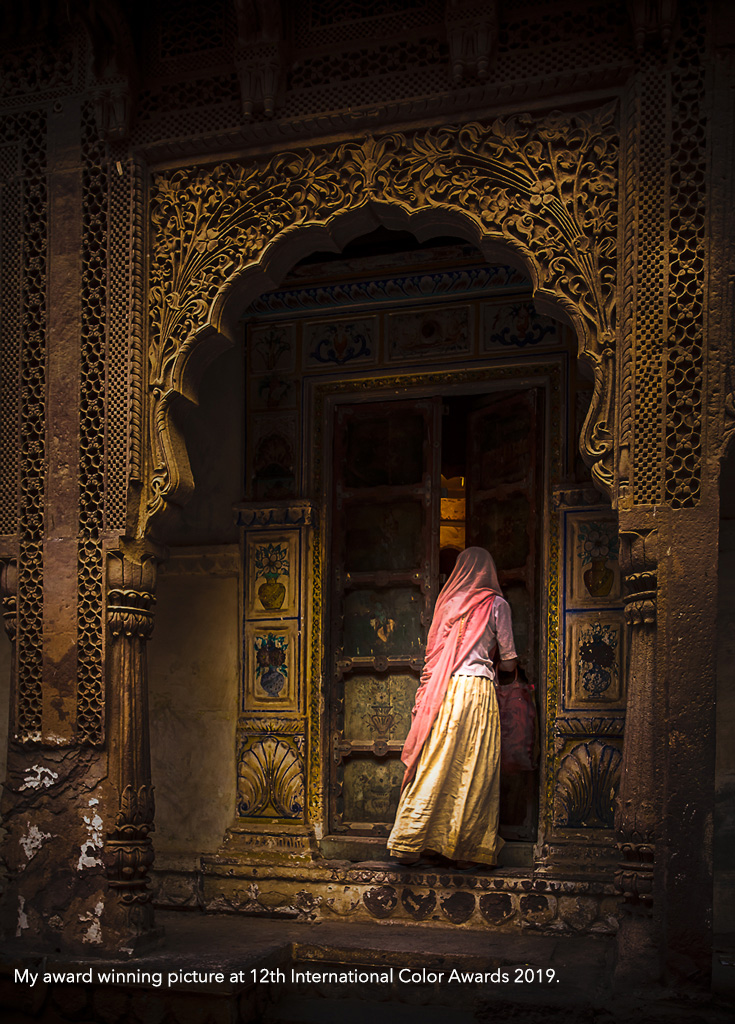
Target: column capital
x,y
131,586
639,565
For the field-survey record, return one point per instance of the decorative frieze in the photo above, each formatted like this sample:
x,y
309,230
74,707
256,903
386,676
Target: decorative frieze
x,y
436,898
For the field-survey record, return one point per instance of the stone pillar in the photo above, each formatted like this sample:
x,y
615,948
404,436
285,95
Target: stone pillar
x,y
129,850
639,800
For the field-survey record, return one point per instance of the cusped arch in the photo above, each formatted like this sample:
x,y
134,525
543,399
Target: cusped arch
x,y
539,194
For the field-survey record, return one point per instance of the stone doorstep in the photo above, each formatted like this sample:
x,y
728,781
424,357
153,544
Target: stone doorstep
x,y
508,899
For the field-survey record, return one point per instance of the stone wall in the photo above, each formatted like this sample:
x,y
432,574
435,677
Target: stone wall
x,y
724,842
193,700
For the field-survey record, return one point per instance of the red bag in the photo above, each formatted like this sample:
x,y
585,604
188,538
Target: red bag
x,y
517,726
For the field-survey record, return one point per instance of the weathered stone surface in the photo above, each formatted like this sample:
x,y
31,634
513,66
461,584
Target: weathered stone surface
x,y
497,907
458,907
537,909
418,904
578,912
381,901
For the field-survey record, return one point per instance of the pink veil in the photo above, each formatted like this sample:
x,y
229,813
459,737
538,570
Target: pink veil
x,y
460,617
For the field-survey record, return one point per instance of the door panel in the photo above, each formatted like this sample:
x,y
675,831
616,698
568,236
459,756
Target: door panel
x,y
504,513
384,564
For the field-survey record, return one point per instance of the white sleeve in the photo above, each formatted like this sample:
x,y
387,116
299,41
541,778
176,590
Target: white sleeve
x,y
504,629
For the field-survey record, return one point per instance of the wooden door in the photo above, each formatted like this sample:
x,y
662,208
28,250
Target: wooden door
x,y
504,512
384,566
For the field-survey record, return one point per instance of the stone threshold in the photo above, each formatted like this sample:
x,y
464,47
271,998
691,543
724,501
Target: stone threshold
x,y
506,899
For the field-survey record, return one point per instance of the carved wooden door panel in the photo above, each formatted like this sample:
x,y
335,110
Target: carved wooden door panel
x,y
384,566
504,511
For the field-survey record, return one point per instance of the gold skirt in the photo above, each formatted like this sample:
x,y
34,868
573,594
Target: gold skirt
x,y
452,804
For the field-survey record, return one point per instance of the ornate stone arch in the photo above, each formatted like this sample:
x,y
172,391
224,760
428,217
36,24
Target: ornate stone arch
x,y
539,191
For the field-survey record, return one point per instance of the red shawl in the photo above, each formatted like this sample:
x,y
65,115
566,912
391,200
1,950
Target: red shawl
x,y
460,617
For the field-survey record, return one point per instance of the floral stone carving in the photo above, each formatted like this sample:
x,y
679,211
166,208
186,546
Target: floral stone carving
x,y
545,188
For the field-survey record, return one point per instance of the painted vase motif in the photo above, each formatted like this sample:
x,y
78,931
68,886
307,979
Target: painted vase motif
x,y
272,594
271,562
270,663
599,578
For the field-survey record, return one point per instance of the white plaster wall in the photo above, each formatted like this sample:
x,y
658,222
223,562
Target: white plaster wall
x,y
724,843
193,680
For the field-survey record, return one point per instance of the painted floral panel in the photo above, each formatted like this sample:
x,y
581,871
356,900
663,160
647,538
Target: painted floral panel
x,y
271,666
429,334
516,325
593,565
378,707
595,660
371,789
272,574
331,344
272,349
273,456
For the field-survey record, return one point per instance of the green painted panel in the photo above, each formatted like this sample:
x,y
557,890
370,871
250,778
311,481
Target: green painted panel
x,y
383,622
378,707
371,789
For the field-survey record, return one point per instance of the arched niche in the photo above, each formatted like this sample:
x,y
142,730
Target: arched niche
x,y
536,193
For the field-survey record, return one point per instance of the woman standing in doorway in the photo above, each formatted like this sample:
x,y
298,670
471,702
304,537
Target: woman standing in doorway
x,y
450,799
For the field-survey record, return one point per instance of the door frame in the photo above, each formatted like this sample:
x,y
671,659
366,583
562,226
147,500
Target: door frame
x,y
551,374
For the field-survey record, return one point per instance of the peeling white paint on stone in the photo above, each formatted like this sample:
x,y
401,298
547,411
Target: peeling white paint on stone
x,y
93,935
33,840
52,738
89,856
22,917
43,777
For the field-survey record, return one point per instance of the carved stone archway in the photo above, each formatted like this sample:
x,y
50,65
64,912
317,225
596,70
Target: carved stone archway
x,y
540,190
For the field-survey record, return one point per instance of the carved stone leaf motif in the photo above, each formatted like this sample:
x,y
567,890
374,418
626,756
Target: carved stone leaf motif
x,y
586,786
270,774
546,188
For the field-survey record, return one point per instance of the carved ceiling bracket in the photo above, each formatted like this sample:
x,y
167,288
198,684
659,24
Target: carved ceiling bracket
x,y
540,192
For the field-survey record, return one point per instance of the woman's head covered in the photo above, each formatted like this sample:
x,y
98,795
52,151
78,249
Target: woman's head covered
x,y
474,570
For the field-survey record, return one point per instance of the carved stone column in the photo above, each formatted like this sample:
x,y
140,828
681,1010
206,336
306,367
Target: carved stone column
x,y
131,584
638,811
